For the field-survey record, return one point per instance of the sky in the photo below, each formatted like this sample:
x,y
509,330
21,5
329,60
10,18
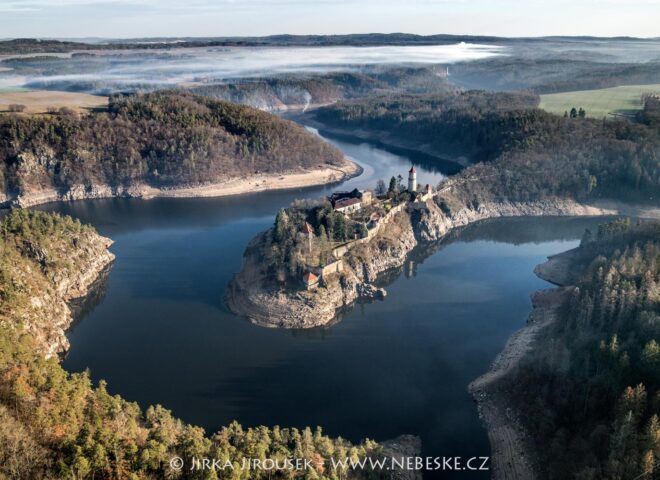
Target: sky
x,y
148,18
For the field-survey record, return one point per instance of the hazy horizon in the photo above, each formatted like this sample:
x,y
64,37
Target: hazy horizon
x,y
115,19
88,38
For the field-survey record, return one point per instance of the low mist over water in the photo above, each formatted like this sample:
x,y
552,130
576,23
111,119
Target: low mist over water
x,y
134,69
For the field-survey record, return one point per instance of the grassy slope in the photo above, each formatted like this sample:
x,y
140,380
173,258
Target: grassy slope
x,y
625,100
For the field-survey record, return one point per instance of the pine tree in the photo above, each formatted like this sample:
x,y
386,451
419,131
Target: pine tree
x,y
340,228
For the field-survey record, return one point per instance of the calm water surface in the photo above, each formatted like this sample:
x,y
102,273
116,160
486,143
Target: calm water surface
x,y
159,332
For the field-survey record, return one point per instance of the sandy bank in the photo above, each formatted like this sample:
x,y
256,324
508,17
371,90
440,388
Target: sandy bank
x,y
324,174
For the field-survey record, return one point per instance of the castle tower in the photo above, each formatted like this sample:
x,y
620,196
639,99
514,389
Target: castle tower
x,y
412,180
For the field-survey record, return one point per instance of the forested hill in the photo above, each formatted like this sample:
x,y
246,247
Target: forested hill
x,y
160,139
526,153
590,389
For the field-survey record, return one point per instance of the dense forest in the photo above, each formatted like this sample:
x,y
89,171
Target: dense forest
x,y
58,425
590,389
475,124
162,139
528,154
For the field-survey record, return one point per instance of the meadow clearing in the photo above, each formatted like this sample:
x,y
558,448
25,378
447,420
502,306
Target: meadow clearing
x,y
604,102
40,101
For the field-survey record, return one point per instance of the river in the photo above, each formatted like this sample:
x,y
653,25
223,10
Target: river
x,y
159,332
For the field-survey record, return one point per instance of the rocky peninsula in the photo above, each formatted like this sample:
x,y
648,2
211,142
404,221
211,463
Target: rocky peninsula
x,y
254,295
48,262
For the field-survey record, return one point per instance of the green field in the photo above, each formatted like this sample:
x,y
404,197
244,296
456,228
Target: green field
x,y
604,102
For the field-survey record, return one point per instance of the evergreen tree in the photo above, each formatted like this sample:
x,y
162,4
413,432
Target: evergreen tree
x,y
279,231
339,228
392,188
381,189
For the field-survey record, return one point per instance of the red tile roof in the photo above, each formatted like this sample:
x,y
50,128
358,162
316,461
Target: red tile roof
x,y
309,278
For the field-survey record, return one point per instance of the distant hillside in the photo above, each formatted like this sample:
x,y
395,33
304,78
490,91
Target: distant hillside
x,y
528,153
554,73
31,45
159,139
301,91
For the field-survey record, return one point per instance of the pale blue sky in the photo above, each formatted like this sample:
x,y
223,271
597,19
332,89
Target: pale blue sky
x,y
143,18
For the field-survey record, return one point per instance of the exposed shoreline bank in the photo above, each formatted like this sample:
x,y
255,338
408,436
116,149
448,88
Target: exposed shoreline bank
x,y
512,454
382,140
326,174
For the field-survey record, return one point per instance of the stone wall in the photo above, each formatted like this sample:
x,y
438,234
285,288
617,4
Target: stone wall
x,y
343,249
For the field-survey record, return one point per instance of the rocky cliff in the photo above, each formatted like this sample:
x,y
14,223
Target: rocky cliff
x,y
47,262
249,295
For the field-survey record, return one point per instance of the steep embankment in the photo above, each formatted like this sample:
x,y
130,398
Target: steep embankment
x,y
252,296
159,144
47,261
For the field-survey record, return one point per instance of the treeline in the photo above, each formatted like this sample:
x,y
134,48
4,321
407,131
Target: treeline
x,y
162,139
475,124
590,389
650,114
530,154
58,425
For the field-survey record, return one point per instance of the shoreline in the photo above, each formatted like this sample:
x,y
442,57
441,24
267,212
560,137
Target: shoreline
x,y
381,140
512,452
236,186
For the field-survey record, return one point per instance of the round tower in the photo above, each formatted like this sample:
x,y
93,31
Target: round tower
x,y
412,180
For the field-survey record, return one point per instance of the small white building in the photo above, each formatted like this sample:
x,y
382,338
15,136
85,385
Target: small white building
x,y
412,180
348,205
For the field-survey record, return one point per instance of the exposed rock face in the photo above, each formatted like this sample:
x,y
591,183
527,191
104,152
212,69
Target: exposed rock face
x,y
388,250
369,291
49,287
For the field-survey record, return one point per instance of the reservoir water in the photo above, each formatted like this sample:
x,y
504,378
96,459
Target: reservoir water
x,y
159,332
